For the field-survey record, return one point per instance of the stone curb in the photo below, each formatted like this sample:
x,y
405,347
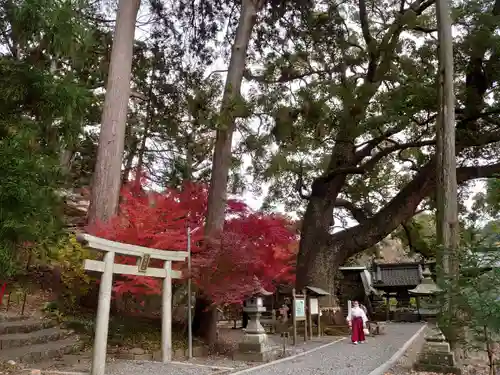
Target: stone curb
x,y
382,369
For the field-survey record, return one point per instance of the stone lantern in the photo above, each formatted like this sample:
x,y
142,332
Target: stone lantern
x,y
435,355
426,291
254,345
254,307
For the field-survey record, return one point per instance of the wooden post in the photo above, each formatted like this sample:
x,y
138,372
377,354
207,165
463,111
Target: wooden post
x,y
274,321
305,312
166,314
319,321
102,320
387,307
308,303
294,319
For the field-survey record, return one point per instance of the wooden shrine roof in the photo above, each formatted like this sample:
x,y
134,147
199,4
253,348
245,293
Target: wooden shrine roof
x,y
403,275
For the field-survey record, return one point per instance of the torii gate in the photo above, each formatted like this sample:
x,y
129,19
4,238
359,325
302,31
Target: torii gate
x,y
108,267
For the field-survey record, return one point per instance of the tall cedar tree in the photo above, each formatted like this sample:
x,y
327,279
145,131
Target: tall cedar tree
x,y
107,176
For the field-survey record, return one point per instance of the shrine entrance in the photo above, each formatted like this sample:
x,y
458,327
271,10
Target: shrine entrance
x,y
108,267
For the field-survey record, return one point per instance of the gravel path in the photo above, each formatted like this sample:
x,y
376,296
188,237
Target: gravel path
x,y
220,361
343,358
404,365
158,368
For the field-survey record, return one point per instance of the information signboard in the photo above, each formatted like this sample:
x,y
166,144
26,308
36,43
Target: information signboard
x,y
313,306
300,308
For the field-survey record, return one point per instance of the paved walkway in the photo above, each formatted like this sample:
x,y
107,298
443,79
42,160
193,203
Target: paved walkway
x,y
344,358
341,358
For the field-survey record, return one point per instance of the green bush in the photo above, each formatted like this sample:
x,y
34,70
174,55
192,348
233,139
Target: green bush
x,y
68,257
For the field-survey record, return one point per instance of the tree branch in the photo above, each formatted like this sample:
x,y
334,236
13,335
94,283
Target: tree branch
x,y
358,213
370,164
423,29
414,166
408,236
299,184
371,45
401,208
287,75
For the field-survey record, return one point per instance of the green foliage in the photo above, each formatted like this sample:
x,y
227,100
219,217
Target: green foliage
x,y
28,202
42,110
67,257
483,309
488,202
419,234
393,302
478,298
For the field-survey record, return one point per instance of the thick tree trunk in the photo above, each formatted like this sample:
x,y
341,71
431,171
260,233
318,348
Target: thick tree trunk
x,y
315,251
221,162
446,192
149,114
131,145
321,253
314,256
205,319
447,226
107,176
129,160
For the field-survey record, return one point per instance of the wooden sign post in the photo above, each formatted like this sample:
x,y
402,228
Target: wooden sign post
x,y
108,267
313,303
314,310
299,313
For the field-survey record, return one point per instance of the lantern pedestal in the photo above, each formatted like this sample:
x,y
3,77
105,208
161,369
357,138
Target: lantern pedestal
x,y
255,346
436,355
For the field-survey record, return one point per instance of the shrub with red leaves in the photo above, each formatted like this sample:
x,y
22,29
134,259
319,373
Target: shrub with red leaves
x,y
253,245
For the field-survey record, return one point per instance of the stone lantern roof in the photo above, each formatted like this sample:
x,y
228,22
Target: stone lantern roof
x,y
427,286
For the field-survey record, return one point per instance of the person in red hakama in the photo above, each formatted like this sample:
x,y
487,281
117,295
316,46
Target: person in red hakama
x,y
357,322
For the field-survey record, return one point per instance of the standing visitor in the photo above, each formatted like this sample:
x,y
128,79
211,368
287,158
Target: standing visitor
x,y
357,322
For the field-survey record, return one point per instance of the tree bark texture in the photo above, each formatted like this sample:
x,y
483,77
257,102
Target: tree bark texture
x,y
447,227
205,320
446,192
107,175
221,161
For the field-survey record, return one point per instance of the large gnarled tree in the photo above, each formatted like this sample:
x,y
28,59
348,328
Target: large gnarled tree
x,y
354,110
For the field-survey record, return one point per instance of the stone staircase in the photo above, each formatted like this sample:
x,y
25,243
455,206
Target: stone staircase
x,y
29,340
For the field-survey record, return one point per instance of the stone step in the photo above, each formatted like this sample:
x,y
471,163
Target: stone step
x,y
12,317
40,352
24,326
15,340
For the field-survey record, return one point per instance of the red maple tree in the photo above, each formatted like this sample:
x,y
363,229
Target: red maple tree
x,y
253,245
